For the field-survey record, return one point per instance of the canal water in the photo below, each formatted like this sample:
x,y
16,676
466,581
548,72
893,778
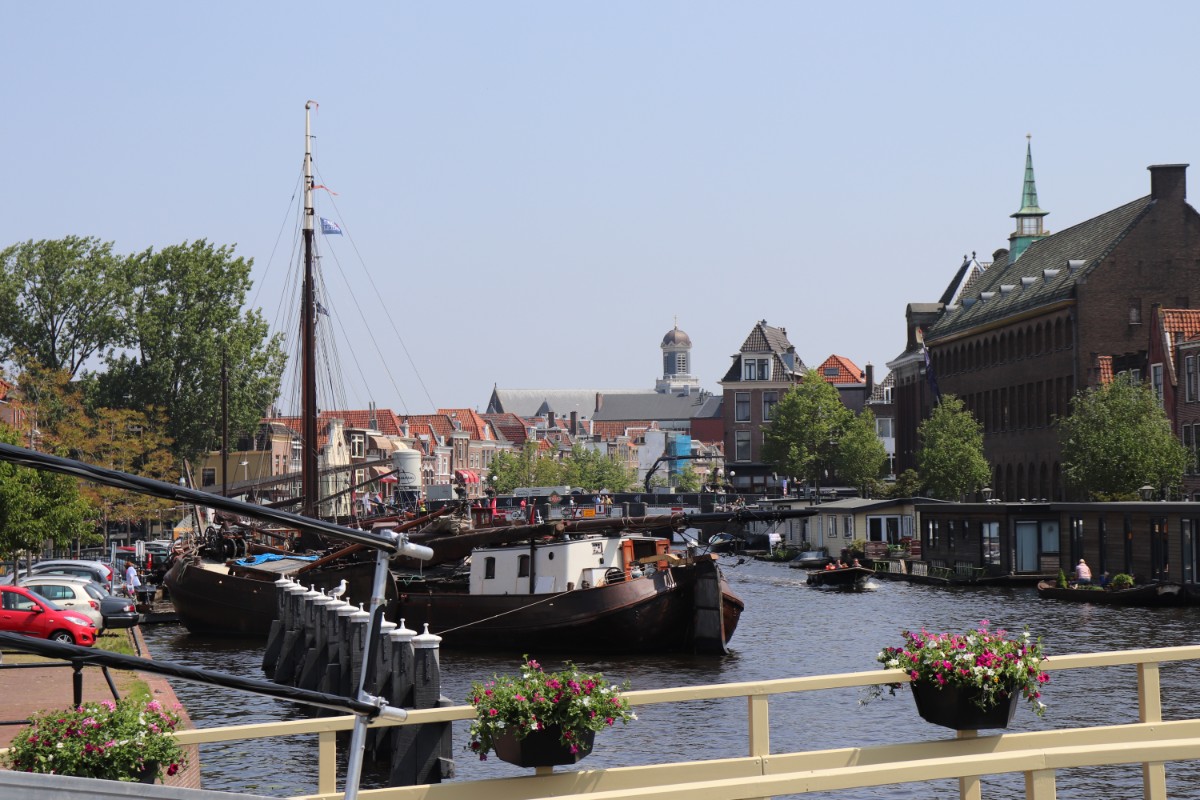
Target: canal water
x,y
788,629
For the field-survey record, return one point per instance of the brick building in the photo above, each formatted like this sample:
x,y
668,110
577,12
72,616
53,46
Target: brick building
x,y
1017,339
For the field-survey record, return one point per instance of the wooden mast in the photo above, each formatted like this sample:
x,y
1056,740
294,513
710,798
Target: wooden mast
x,y
310,479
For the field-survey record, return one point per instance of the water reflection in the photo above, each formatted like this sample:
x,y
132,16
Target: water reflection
x,y
788,629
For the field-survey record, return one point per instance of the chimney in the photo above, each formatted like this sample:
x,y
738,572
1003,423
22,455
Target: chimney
x,y
550,420
599,402
1168,182
870,373
574,423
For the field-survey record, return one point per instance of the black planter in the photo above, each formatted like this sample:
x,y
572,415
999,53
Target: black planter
x,y
955,707
541,748
149,772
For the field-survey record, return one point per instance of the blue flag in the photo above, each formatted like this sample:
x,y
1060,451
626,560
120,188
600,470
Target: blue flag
x,y
330,228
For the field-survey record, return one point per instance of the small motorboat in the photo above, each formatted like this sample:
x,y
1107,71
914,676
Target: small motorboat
x,y
810,559
847,579
724,543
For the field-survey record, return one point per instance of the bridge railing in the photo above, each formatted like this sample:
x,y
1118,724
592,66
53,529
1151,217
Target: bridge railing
x,y
761,773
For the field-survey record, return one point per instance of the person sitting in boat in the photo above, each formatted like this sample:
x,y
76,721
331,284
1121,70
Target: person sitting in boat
x,y
830,565
856,564
1083,573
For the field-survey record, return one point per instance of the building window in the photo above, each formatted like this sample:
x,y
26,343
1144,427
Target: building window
x,y
1135,311
523,566
887,394
848,526
883,427
831,372
208,476
1156,382
756,369
769,401
1029,226
741,445
741,406
1190,379
358,445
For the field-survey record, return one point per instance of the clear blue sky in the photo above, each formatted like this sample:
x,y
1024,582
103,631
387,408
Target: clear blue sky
x,y
538,189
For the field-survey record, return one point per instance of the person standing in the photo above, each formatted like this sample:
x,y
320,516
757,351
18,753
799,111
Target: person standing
x,y
132,581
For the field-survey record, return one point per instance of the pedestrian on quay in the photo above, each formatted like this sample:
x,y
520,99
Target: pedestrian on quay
x,y
132,581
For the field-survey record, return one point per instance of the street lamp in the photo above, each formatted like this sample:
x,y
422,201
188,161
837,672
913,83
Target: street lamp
x,y
731,473
1147,492
245,465
987,494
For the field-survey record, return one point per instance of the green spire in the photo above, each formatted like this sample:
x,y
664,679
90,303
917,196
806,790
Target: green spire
x,y
1029,201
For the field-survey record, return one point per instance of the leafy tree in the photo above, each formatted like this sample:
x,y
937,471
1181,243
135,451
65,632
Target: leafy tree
x,y
39,507
860,456
1118,438
687,480
529,467
908,484
591,469
61,301
186,317
806,425
950,458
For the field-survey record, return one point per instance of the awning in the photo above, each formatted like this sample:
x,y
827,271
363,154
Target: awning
x,y
381,443
388,479
466,475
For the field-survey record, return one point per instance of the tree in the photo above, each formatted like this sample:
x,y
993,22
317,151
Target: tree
x,y
1118,438
61,301
687,480
186,318
806,425
860,456
950,458
39,507
589,468
908,484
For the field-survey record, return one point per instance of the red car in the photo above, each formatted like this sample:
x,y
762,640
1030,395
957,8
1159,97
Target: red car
x,y
24,611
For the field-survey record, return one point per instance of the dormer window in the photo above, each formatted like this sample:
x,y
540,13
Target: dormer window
x,y
756,369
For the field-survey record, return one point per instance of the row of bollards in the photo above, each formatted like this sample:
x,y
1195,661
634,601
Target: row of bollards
x,y
318,641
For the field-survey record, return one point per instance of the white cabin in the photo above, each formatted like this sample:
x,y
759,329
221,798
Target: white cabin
x,y
559,566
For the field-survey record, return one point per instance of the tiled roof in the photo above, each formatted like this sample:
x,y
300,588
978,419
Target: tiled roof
x,y
440,423
386,421
472,422
877,392
840,370
766,340
608,431
1041,275
649,405
509,426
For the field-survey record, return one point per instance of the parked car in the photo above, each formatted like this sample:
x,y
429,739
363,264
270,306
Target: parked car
x,y
25,611
97,571
69,592
118,611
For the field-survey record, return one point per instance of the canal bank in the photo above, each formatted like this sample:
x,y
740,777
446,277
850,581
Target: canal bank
x,y
33,689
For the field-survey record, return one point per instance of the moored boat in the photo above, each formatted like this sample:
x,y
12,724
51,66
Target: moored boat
x,y
1148,595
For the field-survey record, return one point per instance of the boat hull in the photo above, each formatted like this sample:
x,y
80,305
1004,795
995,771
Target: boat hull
x,y
1155,595
215,603
655,613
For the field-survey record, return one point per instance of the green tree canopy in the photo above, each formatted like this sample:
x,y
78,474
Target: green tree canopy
x,y
806,425
61,302
186,318
590,469
39,508
950,458
861,457
1116,439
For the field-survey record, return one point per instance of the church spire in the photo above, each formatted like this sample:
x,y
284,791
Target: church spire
x,y
1029,218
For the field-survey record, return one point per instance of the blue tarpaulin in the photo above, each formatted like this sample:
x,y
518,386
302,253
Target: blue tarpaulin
x,y
254,561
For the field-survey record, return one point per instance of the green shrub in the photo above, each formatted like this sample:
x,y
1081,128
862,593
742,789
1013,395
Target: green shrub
x,y
1122,581
1062,579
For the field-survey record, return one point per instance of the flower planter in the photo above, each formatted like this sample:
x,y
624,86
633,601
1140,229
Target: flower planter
x,y
149,772
955,707
542,748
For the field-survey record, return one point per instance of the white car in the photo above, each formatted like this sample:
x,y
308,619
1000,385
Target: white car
x,y
69,592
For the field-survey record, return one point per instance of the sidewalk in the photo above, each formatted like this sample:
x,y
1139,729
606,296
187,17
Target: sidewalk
x,y
25,691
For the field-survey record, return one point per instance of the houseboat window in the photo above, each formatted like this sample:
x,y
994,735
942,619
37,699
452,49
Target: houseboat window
x,y
931,534
1076,539
489,568
523,567
1187,543
741,406
208,476
989,535
1049,536
848,526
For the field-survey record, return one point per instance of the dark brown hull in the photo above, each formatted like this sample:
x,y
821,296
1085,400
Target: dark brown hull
x,y
1157,595
217,604
656,613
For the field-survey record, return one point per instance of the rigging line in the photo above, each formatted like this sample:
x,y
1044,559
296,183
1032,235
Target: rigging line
x,y
399,338
278,237
501,614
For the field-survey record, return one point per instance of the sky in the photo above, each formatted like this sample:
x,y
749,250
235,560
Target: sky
x,y
532,193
